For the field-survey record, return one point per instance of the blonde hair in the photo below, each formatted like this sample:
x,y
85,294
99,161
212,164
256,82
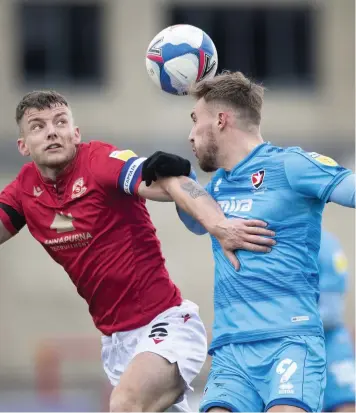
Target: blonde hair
x,y
233,89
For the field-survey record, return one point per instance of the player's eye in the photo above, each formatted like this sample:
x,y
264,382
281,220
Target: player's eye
x,y
61,122
35,126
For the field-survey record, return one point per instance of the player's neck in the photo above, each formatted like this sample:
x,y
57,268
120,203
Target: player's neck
x,y
52,173
238,148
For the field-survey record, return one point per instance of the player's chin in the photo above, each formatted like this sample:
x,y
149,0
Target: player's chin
x,y
55,160
207,166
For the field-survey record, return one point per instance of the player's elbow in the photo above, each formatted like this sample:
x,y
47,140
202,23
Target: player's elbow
x,y
198,230
195,228
190,223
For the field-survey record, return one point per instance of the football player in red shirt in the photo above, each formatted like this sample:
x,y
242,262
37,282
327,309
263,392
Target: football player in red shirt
x,y
85,203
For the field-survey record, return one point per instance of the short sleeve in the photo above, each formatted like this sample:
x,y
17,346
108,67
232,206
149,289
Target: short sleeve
x,y
11,211
114,168
191,223
312,174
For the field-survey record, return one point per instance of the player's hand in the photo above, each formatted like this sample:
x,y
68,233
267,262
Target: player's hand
x,y
163,164
243,234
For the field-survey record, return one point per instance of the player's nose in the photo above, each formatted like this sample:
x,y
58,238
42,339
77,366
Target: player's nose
x,y
51,132
52,135
191,137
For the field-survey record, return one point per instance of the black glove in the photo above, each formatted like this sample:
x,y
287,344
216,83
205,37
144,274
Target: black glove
x,y
163,164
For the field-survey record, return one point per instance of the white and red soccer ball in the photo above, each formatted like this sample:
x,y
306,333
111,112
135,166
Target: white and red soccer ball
x,y
180,56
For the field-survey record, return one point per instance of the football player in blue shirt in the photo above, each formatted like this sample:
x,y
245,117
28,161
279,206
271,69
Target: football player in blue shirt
x,y
340,383
268,350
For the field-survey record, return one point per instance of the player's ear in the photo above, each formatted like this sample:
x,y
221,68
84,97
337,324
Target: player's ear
x,y
222,120
22,147
77,136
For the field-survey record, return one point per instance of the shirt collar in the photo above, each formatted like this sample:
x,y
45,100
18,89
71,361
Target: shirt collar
x,y
257,150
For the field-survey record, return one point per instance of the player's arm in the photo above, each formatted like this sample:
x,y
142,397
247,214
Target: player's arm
x,y
232,234
5,235
153,186
344,192
190,197
11,214
154,192
121,170
128,173
124,171
198,210
158,165
317,176
196,214
134,175
190,223
201,214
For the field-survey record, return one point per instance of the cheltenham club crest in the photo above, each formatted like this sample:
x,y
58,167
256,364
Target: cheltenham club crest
x,y
257,178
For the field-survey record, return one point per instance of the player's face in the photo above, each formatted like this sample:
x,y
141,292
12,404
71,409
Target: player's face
x,y
203,136
49,136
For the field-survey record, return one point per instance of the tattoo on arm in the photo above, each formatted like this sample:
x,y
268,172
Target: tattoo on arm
x,y
194,190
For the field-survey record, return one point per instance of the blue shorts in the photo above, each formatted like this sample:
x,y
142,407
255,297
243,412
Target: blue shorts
x,y
256,376
340,388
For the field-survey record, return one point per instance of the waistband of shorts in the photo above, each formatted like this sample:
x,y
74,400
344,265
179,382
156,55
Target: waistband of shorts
x,y
110,339
261,335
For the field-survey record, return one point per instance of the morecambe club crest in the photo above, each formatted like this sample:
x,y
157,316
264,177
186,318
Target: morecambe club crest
x,y
78,188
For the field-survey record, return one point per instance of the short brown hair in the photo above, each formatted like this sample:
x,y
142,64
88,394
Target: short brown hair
x,y
39,100
234,89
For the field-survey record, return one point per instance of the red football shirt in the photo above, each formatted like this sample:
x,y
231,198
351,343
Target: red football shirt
x,y
92,222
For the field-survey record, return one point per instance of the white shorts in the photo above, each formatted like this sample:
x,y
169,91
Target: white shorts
x,y
177,334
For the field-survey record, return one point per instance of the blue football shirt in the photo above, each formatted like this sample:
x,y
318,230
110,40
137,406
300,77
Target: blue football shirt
x,y
275,294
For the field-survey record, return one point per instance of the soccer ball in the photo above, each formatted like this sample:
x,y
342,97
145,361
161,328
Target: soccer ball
x,y
179,56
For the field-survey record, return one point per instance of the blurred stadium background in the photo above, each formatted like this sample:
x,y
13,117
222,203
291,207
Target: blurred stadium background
x,y
93,52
